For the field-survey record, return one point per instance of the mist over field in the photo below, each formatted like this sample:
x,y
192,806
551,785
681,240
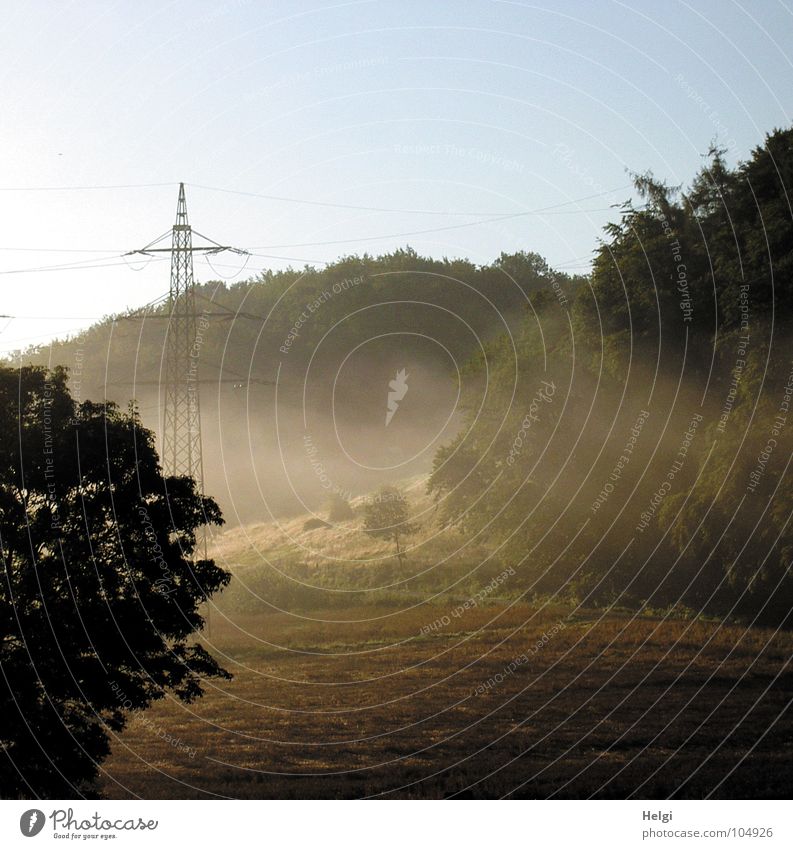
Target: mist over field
x,y
296,366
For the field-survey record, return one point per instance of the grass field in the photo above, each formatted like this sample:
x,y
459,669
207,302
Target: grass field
x,y
359,702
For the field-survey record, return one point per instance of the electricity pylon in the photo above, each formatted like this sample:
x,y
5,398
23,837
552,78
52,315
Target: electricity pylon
x,y
181,422
182,410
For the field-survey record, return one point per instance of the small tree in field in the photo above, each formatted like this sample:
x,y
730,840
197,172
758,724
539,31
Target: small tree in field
x,y
339,509
387,517
99,591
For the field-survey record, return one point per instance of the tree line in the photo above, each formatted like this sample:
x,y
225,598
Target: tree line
x,y
631,445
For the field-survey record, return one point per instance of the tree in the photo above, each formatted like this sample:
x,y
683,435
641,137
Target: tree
x,y
100,594
339,509
386,517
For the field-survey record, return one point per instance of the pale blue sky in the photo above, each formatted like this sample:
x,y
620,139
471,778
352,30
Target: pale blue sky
x,y
475,106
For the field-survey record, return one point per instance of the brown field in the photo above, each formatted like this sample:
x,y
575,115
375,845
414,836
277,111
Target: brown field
x,y
608,706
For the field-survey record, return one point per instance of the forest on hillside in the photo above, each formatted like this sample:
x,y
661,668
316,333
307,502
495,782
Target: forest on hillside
x,y
654,470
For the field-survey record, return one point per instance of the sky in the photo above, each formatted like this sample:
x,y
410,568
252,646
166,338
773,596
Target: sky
x,y
305,131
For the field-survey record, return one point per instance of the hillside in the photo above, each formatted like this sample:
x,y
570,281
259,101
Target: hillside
x,y
287,565
331,339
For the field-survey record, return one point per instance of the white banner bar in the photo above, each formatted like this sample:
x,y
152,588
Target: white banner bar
x,y
396,824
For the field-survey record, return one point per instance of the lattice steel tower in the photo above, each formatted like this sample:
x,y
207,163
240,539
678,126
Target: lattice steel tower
x,y
182,410
181,442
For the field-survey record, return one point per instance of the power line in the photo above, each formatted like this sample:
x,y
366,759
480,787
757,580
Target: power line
x,y
66,250
278,256
72,266
307,201
54,317
362,208
84,188
424,232
555,209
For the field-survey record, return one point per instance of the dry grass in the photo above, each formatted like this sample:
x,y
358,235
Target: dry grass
x,y
609,706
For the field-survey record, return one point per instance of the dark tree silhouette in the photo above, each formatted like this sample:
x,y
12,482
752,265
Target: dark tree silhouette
x,y
99,594
386,517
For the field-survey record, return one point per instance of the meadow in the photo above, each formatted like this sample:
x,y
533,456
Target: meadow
x,y
509,697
